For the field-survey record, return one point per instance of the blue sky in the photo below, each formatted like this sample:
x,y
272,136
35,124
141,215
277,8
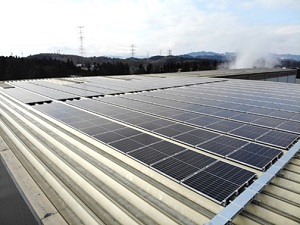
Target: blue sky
x,y
154,26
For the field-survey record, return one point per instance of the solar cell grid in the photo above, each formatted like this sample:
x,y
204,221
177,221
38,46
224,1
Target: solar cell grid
x,y
230,173
108,137
225,126
261,111
145,139
94,130
296,117
249,131
167,147
203,121
126,145
175,168
211,186
248,158
24,95
168,131
195,159
189,139
265,151
222,145
290,126
278,138
268,122
147,155
226,114
81,124
246,117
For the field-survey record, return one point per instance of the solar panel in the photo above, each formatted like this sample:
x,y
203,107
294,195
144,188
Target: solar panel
x,y
93,130
151,126
203,121
248,158
282,114
226,113
168,131
127,132
195,159
175,168
261,150
246,117
255,155
219,181
278,138
147,155
108,137
249,131
225,126
24,95
125,145
167,147
222,145
195,137
145,139
268,122
290,126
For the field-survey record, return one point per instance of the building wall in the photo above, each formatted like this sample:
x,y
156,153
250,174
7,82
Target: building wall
x,y
13,208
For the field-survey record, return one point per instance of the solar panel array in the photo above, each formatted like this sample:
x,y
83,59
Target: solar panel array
x,y
245,122
174,161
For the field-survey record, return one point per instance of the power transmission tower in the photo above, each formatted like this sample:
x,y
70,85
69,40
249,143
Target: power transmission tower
x,y
169,52
81,47
132,50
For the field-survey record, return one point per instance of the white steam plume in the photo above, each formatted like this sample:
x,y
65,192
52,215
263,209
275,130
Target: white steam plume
x,y
254,53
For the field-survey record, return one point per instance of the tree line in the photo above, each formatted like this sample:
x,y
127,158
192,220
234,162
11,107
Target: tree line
x,y
12,68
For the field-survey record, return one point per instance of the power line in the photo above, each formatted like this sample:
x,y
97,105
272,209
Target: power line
x,y
81,47
132,50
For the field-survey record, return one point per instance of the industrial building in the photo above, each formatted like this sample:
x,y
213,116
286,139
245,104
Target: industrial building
x,y
182,148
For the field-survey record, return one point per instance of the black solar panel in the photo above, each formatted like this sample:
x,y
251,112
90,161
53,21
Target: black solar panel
x,y
167,131
278,138
268,122
248,158
219,181
231,173
290,126
175,168
126,145
211,186
226,113
195,159
246,117
249,131
94,130
127,132
222,145
147,155
167,147
195,137
203,121
225,126
108,137
145,139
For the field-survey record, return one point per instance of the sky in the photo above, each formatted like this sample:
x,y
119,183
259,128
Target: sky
x,y
153,26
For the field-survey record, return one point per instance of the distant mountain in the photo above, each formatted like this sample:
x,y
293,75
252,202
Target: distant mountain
x,y
209,55
231,55
287,57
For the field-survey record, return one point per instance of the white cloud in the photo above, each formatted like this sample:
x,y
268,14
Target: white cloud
x,y
35,26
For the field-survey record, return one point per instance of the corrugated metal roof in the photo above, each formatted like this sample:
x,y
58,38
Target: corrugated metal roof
x,y
87,182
